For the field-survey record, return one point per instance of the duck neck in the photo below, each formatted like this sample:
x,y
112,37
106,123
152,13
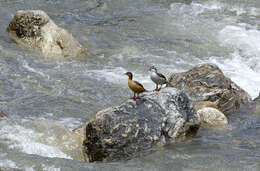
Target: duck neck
x,y
153,74
155,70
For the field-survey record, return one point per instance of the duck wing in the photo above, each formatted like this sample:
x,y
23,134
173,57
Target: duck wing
x,y
161,75
139,84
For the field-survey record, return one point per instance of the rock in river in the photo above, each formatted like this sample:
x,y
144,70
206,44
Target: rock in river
x,y
212,117
35,30
135,127
206,82
209,114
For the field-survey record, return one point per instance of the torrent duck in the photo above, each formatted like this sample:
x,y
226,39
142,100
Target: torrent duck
x,y
157,78
135,86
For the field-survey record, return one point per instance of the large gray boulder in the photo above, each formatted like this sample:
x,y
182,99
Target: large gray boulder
x,y
35,30
135,127
206,82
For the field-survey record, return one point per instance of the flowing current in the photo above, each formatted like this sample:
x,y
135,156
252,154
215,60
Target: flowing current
x,y
44,98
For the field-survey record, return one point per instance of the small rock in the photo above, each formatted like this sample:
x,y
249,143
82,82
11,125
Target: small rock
x,y
35,30
212,117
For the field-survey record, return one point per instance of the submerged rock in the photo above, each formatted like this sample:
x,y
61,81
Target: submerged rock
x,y
56,135
256,105
2,114
35,30
252,122
212,117
206,82
257,99
135,127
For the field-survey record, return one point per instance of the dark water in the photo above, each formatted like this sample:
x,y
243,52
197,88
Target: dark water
x,y
45,97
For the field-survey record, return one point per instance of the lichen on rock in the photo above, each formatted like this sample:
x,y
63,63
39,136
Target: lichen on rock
x,y
28,24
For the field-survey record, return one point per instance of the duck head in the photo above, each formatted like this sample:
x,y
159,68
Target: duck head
x,y
129,74
152,69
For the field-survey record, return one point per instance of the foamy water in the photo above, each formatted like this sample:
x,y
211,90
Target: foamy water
x,y
27,140
5,162
244,65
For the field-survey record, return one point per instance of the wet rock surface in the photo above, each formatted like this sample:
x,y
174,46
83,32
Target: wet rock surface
x,y
35,30
206,82
134,127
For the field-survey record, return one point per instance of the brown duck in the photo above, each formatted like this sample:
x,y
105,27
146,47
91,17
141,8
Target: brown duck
x,y
135,86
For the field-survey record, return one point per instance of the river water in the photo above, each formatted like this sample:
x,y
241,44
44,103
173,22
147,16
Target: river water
x,y
44,97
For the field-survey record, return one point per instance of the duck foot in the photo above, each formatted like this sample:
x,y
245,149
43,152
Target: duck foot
x,y
135,97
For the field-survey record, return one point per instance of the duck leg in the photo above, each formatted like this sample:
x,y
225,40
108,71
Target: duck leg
x,y
159,88
134,97
156,89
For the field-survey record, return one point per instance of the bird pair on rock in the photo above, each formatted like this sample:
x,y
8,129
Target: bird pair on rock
x,y
137,88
